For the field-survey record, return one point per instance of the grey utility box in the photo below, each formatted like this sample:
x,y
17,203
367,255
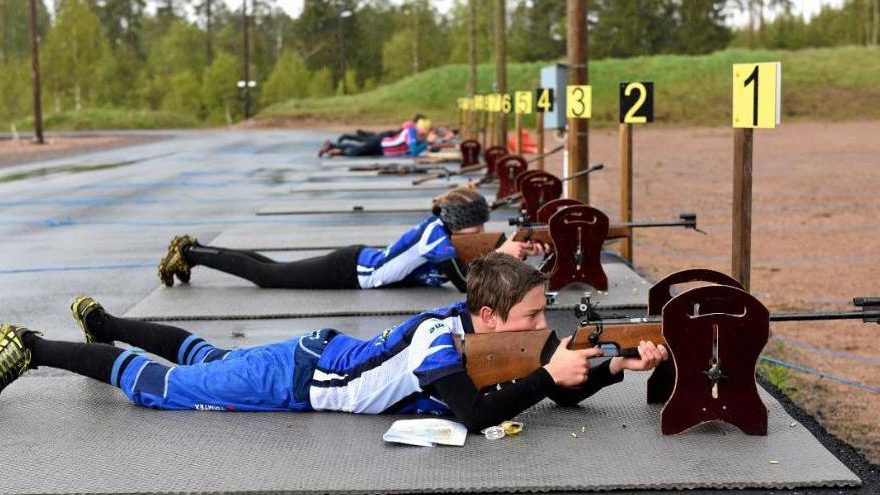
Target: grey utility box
x,y
555,77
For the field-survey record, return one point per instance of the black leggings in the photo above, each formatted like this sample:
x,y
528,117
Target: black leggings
x,y
370,146
335,270
97,360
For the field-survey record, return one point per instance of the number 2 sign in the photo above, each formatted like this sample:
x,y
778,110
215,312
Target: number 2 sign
x,y
636,102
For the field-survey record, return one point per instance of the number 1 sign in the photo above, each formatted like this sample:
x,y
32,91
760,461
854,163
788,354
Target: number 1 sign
x,y
757,95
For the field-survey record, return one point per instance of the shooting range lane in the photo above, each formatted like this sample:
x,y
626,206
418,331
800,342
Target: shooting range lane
x,y
360,206
284,452
435,187
146,451
212,295
267,238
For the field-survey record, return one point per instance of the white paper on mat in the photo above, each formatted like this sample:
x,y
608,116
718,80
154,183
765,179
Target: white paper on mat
x,y
426,432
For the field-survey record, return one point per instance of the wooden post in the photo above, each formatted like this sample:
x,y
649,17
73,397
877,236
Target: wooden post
x,y
490,129
501,68
578,129
473,115
35,76
742,205
518,130
539,132
626,188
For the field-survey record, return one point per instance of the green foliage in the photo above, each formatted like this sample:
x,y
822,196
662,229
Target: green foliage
x,y
15,98
74,47
537,30
459,29
15,27
184,95
348,84
219,92
321,84
289,79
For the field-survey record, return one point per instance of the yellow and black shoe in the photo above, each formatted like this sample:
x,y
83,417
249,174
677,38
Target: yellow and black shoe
x,y
15,356
174,263
81,307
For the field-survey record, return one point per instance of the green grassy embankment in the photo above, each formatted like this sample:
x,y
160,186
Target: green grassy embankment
x,y
828,84
111,118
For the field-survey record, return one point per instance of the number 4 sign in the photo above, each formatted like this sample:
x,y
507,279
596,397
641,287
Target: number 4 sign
x,y
756,95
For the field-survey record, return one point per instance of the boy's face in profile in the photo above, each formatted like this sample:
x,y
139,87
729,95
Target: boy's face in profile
x,y
527,314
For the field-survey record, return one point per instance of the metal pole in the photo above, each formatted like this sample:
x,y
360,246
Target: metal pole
x,y
742,205
578,129
626,188
247,76
501,67
35,75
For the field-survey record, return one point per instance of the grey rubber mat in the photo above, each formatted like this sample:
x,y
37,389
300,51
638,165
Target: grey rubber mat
x,y
217,296
263,238
75,435
434,186
355,206
393,205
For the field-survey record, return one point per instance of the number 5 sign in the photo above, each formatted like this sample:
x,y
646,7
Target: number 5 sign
x,y
756,95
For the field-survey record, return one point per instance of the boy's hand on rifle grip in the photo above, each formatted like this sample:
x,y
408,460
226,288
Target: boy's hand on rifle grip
x,y
571,368
521,250
650,356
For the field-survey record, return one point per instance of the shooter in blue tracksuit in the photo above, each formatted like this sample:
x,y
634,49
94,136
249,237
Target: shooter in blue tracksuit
x,y
423,256
412,368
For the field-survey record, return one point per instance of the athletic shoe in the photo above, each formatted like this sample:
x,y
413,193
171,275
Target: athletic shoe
x,y
173,263
325,148
15,357
81,308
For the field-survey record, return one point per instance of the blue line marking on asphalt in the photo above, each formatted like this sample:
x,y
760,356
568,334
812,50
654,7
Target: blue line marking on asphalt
x,y
73,268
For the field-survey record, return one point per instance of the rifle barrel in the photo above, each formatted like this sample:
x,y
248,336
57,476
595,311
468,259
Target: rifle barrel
x,y
867,315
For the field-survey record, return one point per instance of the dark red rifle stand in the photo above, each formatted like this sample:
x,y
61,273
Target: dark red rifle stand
x,y
537,188
507,169
492,155
662,380
470,152
715,335
549,208
578,233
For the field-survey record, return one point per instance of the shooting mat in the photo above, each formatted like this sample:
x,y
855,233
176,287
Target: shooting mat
x,y
126,449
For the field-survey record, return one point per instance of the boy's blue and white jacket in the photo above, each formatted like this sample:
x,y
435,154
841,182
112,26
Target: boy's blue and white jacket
x,y
390,372
413,259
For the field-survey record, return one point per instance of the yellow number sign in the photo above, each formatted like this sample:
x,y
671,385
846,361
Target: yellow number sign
x,y
579,102
756,95
479,102
523,102
506,104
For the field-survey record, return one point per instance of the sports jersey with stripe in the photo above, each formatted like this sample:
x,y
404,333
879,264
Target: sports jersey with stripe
x,y
403,143
413,259
390,372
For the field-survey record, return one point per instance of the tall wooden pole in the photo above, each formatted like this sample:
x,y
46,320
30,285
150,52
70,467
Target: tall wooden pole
x,y
35,75
626,188
539,131
578,129
742,205
518,129
246,61
472,65
501,67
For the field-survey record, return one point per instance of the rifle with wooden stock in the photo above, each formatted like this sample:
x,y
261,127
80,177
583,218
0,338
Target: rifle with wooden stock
x,y
540,232
518,196
493,358
476,168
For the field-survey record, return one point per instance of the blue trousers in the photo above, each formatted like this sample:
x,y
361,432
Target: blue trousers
x,y
272,377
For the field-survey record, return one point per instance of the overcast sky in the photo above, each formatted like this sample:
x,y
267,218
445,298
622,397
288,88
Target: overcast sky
x,y
809,7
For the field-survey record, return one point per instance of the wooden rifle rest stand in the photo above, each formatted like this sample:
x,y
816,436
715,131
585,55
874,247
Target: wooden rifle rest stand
x,y
662,380
537,189
470,152
507,168
715,335
492,155
578,233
